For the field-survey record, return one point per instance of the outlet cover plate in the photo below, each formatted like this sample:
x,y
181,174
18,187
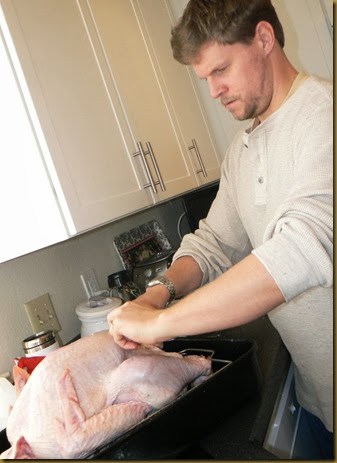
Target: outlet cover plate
x,y
42,315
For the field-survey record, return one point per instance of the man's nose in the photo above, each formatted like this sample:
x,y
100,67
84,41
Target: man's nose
x,y
216,88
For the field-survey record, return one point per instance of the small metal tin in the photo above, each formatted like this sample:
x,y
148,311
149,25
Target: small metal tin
x,y
40,343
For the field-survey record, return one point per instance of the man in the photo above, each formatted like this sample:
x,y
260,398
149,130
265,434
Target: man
x,y
266,244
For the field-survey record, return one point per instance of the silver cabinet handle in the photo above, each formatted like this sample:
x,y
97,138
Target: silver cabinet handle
x,y
194,146
141,153
155,165
152,184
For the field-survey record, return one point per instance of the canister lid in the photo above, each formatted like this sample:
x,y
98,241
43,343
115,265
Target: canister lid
x,y
86,310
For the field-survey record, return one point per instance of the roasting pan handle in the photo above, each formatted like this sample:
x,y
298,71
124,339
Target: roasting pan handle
x,y
197,351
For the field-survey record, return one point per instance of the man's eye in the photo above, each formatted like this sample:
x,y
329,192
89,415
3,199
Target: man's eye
x,y
220,70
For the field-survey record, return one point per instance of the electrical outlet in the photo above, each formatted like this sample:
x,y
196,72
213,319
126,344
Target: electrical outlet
x,y
42,315
89,282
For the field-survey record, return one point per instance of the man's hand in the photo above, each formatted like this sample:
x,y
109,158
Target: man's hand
x,y
134,323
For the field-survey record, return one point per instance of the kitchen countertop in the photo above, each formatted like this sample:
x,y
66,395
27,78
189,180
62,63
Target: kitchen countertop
x,y
241,435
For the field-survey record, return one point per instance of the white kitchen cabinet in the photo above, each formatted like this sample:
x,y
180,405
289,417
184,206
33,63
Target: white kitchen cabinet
x,y
127,61
156,92
156,20
102,83
30,215
81,118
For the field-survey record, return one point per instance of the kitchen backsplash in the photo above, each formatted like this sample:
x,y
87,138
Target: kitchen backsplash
x,y
56,270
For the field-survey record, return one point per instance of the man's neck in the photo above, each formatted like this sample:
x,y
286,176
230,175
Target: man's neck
x,y
281,89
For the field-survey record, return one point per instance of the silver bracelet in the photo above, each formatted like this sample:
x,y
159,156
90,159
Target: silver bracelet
x,y
161,280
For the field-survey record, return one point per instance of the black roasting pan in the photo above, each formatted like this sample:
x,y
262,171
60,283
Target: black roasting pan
x,y
168,431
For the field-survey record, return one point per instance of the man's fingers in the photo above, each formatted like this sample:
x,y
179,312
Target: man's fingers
x,y
124,342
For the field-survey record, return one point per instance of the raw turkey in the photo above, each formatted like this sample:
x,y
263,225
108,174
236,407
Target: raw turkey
x,y
84,394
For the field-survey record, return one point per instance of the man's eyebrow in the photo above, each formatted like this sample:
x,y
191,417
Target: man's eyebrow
x,y
213,71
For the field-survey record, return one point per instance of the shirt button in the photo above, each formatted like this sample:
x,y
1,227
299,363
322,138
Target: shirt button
x,y
260,179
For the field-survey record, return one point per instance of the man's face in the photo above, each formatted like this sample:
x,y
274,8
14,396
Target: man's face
x,y
239,75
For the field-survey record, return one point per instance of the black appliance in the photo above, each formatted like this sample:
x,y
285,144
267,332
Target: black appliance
x,y
151,268
122,286
197,203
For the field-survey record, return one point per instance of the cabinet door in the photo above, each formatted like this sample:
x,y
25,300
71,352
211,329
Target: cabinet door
x,y
131,67
94,175
156,21
30,215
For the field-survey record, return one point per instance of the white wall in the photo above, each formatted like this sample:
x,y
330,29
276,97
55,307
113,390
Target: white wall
x,y
57,269
308,41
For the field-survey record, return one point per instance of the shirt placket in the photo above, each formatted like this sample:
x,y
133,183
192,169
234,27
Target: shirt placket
x,y
256,145
260,174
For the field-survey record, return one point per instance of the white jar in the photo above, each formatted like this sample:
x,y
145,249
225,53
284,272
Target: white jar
x,y
94,319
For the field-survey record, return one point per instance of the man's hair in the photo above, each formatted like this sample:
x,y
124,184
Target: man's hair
x,y
222,21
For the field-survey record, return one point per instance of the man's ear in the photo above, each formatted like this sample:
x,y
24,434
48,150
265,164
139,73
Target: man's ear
x,y
264,34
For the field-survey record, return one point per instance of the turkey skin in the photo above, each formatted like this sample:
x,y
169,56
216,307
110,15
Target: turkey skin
x,y
91,391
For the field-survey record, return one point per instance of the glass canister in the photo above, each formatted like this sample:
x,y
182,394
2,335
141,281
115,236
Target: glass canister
x,y
40,344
